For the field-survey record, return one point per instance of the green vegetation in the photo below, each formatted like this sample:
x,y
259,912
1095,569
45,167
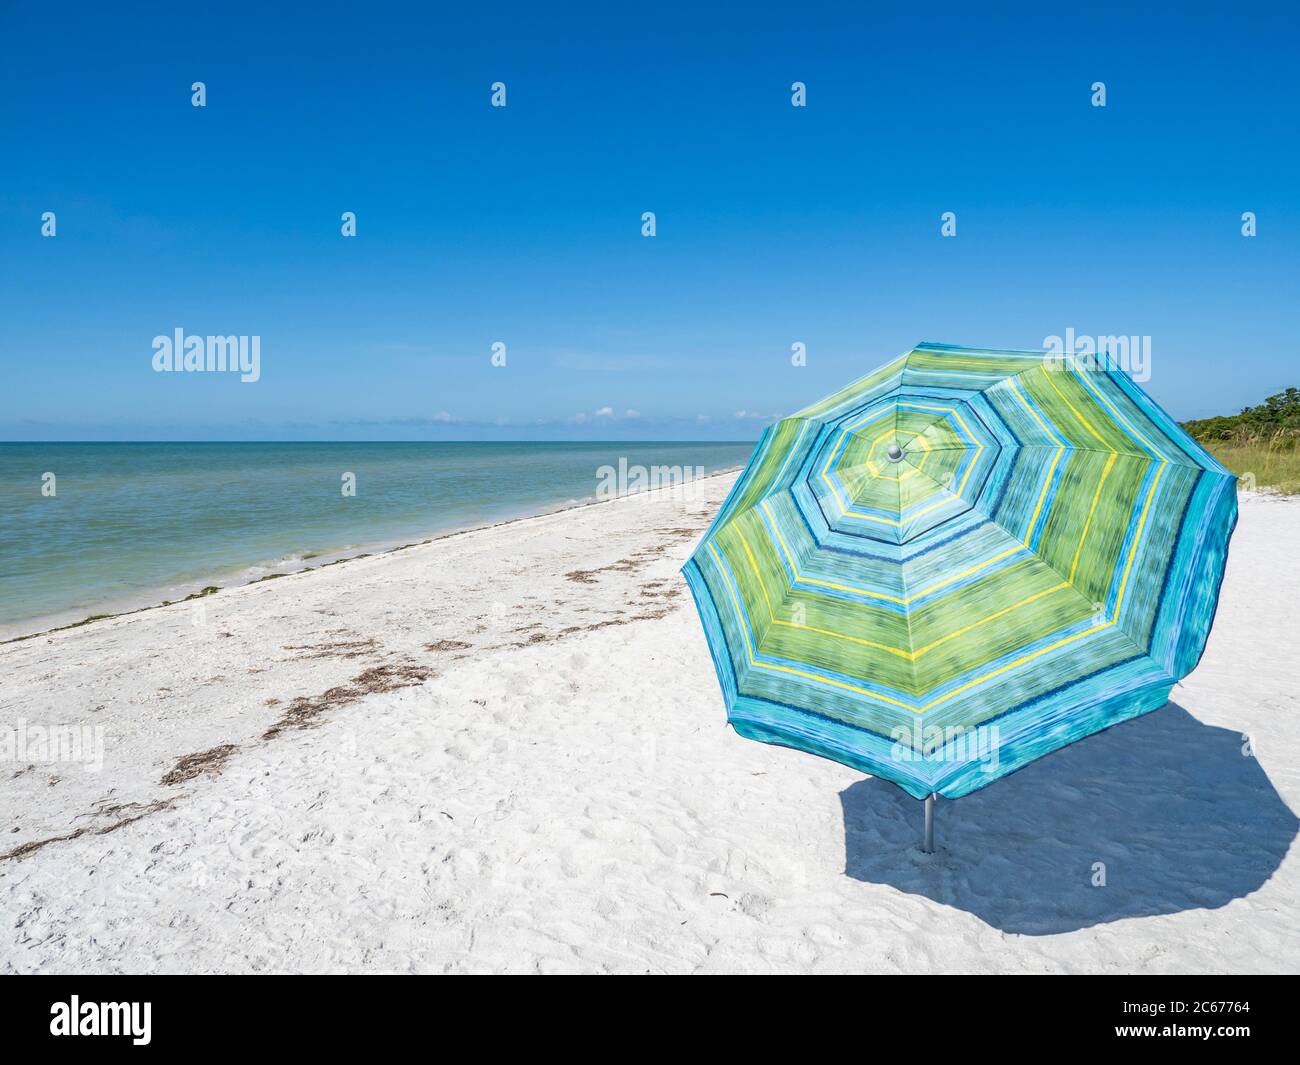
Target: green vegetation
x,y
1261,442
60,628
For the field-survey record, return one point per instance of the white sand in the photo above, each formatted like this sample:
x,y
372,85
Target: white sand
x,y
563,795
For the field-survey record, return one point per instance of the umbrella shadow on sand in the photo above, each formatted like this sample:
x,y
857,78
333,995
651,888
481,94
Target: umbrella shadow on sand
x,y
1177,815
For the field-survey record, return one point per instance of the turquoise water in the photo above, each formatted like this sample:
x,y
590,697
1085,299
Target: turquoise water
x,y
131,524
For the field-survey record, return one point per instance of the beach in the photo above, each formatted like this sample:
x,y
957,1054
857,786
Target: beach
x,y
506,750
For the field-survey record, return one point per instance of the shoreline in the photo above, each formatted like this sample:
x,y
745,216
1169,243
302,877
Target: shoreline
x,y
169,685
367,549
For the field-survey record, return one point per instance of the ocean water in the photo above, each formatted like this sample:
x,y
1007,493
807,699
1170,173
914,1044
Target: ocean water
x,y
133,524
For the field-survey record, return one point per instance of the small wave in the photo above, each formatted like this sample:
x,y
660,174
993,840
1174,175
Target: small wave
x,y
279,565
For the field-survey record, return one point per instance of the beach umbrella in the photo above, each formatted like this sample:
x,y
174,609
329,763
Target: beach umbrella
x,y
960,563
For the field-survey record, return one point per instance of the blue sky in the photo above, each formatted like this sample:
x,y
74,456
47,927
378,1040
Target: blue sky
x,y
522,224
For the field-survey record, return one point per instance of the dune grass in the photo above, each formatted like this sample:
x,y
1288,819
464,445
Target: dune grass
x,y
1263,463
1261,445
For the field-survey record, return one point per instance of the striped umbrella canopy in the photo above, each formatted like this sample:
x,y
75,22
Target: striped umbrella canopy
x,y
960,563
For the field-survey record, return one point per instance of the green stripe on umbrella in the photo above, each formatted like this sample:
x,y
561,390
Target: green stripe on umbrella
x,y
962,562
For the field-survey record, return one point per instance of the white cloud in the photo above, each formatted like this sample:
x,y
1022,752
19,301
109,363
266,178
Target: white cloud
x,y
605,412
630,413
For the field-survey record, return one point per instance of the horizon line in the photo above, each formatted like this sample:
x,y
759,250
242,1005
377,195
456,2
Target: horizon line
x,y
382,441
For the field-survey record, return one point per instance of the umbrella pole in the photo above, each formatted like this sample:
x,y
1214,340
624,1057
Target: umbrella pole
x,y
928,845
